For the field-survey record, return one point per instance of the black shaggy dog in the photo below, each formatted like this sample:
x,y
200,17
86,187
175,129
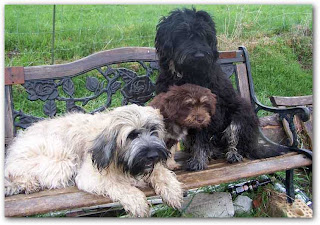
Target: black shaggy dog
x,y
186,44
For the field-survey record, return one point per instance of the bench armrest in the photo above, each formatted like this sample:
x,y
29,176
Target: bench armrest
x,y
284,113
288,114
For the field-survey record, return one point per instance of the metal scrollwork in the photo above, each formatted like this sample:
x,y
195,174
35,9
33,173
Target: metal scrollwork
x,y
134,88
137,90
43,90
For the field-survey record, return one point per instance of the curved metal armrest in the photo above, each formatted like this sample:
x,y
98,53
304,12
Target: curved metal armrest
x,y
301,111
288,114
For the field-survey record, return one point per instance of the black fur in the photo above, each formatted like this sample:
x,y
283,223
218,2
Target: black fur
x,y
103,150
148,147
146,159
186,44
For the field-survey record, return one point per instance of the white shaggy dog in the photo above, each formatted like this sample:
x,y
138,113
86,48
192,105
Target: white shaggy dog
x,y
106,153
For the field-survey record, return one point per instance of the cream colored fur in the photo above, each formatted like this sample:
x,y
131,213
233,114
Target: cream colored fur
x,y
54,153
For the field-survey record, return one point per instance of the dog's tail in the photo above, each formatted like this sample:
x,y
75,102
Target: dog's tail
x,y
266,151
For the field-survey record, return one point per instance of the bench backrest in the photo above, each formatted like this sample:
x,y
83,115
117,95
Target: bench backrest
x,y
91,84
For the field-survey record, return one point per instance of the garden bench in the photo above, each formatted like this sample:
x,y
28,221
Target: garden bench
x,y
128,74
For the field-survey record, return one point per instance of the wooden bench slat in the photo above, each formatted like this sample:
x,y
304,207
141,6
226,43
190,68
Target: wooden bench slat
x,y
241,71
113,56
90,62
291,101
70,198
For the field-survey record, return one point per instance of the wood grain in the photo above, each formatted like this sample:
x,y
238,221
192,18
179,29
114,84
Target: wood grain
x,y
241,71
217,172
291,101
9,128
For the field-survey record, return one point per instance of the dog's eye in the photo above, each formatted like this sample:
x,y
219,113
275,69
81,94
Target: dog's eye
x,y
155,133
133,134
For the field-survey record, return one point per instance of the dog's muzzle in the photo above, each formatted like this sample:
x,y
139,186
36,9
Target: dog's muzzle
x,y
146,151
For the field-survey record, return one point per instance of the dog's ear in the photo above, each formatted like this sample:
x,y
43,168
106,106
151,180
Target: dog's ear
x,y
171,105
213,102
163,39
103,149
204,15
213,40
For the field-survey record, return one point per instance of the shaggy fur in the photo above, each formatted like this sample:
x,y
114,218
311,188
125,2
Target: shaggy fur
x,y
184,107
186,44
106,153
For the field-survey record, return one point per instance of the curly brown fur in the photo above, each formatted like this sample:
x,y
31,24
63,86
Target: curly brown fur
x,y
184,107
186,45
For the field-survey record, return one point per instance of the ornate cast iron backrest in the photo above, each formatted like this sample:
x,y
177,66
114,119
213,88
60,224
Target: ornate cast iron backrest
x,y
89,84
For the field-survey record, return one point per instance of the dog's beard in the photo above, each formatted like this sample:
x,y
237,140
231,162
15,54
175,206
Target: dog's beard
x,y
144,152
186,62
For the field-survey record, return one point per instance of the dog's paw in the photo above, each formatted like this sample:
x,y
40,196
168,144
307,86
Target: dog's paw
x,y
233,156
174,201
136,204
173,165
138,209
173,197
195,165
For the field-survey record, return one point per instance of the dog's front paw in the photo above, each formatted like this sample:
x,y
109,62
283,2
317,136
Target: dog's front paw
x,y
173,165
173,200
173,195
136,205
195,164
139,210
233,156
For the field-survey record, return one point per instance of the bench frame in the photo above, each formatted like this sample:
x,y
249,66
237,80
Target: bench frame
x,y
60,76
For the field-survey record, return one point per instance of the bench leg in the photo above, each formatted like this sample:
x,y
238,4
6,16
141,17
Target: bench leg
x,y
289,186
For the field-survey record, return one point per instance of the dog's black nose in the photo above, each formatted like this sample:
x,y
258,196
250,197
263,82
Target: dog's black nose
x,y
153,155
199,55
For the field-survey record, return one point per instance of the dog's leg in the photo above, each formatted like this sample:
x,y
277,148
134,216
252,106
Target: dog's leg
x,y
171,163
231,134
166,185
198,145
114,184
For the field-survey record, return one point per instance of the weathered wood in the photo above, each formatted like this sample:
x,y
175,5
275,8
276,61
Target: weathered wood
x,y
241,71
9,128
119,55
291,101
226,57
218,172
88,63
14,75
232,172
272,120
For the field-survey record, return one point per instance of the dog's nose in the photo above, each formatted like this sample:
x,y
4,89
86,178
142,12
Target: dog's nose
x,y
153,155
199,55
200,119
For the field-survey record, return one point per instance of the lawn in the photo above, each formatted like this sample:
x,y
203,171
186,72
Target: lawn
x,y
278,37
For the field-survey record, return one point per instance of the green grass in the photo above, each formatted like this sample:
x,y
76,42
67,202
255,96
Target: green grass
x,y
278,37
